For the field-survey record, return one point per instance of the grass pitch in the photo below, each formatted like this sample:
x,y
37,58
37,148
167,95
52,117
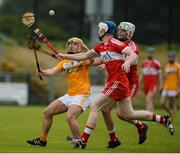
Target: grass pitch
x,y
17,124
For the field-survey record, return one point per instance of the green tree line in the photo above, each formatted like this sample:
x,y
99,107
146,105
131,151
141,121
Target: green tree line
x,y
156,21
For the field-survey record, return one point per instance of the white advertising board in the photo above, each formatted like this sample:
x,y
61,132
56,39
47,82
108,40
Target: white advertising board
x,y
14,92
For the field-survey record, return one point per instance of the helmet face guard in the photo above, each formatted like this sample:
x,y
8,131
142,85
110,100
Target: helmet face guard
x,y
102,30
106,27
129,27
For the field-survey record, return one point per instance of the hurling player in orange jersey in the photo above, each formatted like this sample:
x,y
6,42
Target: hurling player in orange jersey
x,y
76,100
171,85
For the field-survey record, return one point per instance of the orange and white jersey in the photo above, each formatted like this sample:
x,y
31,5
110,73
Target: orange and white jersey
x,y
77,76
172,76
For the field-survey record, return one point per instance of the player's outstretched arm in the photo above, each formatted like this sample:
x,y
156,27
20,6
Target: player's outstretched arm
x,y
49,72
79,56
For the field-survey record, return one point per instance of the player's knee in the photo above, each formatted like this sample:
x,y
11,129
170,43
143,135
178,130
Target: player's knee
x,y
70,118
124,116
106,111
93,107
47,113
120,115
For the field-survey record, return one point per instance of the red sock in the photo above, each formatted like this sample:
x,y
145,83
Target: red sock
x,y
138,124
158,118
112,136
87,132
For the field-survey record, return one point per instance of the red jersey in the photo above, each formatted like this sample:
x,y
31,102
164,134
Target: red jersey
x,y
133,74
133,46
113,58
150,70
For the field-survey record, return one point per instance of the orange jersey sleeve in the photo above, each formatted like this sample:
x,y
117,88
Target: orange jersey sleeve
x,y
60,66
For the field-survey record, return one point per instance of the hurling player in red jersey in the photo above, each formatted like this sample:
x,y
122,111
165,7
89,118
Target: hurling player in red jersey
x,y
125,32
113,53
150,77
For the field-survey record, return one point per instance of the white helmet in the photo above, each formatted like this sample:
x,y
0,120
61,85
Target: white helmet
x,y
129,27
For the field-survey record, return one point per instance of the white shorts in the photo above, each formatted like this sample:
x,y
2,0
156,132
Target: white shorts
x,y
169,93
82,101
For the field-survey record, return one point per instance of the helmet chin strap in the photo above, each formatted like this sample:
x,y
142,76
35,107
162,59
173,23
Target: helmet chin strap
x,y
70,52
101,37
123,39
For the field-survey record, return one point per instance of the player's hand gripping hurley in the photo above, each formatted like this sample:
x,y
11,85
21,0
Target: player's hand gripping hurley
x,y
28,19
34,44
